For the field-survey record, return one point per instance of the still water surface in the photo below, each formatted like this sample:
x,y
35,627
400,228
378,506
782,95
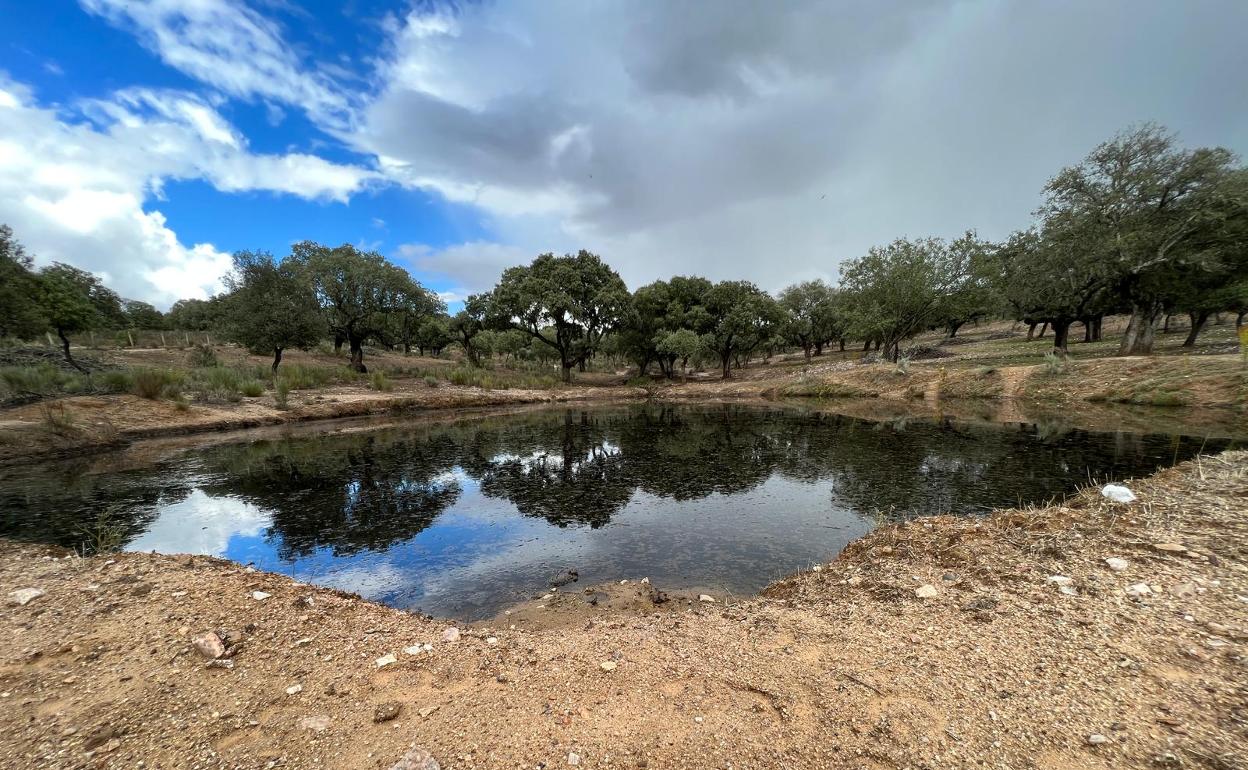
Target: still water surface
x,y
461,519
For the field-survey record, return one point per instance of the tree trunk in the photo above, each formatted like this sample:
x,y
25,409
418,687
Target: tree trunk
x,y
1087,330
1239,318
1031,330
806,350
866,346
842,344
1096,328
580,365
65,350
1137,340
1043,328
357,356
566,375
1198,320
818,348
726,363
1061,332
338,340
952,328
277,358
1165,325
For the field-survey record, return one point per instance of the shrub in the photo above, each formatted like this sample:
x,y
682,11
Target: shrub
x,y
903,365
1054,364
431,381
202,356
154,383
281,391
253,388
57,420
380,381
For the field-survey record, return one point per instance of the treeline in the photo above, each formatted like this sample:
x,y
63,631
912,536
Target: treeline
x,y
1140,227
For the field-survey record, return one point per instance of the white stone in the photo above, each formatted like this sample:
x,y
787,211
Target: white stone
x,y
1117,564
23,596
260,595
415,649
1061,580
294,689
209,645
1138,589
1097,739
926,591
1068,590
451,634
706,598
315,724
607,665
386,660
574,759
491,640
1117,493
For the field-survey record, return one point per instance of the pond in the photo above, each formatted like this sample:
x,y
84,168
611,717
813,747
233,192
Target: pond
x,y
460,519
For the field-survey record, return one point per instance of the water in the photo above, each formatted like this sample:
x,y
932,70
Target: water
x,y
461,519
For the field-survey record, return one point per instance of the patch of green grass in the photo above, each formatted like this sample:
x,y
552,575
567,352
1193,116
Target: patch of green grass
x,y
281,393
153,383
491,380
252,388
380,381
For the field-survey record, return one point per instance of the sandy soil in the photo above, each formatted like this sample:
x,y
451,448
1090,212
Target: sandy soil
x,y
1030,651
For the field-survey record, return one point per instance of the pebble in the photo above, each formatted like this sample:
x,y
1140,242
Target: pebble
x,y
1097,739
1138,589
1116,564
415,649
491,640
387,711
294,689
1061,580
209,645
23,596
426,711
317,723
706,598
1170,547
574,759
416,758
386,660
260,595
926,591
451,634
607,665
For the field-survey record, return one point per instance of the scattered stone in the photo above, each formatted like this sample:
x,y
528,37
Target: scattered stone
x,y
949,577
856,580
926,591
706,598
142,589
318,723
607,665
260,595
1184,590
1116,564
491,640
416,758
99,737
23,596
225,663
209,645
386,660
1069,590
1118,493
415,649
451,634
1061,580
574,759
427,710
1170,547
1096,739
387,711
982,604
294,689
1138,589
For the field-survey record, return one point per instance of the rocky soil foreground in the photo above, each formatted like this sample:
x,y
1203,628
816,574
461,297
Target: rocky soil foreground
x,y
1094,635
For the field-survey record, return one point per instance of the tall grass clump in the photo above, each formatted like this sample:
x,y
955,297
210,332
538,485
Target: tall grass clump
x,y
154,383
39,381
281,393
380,381
202,356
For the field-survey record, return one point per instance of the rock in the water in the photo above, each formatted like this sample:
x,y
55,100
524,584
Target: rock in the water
x,y
926,591
387,711
1170,547
1097,739
706,598
23,596
209,645
563,578
1117,493
1138,589
386,660
260,595
416,758
607,665
1116,564
451,634
317,723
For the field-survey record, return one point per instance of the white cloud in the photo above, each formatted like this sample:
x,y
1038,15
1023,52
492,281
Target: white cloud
x,y
474,266
229,46
75,184
201,524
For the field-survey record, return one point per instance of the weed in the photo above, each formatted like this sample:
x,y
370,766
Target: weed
x,y
58,420
202,356
155,383
281,392
431,381
252,388
903,365
104,535
1055,364
380,381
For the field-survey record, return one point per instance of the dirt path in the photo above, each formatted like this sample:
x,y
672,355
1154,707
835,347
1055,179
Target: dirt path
x,y
847,666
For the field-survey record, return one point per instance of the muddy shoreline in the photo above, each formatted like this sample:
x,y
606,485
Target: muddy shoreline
x,y
1003,641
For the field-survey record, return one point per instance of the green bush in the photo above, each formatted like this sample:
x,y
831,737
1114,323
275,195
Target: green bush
x,y
253,388
380,381
201,356
281,392
431,381
155,383
39,381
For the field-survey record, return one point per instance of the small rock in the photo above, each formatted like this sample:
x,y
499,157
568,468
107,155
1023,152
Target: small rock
x,y
451,634
645,581
1170,547
386,660
1138,589
260,595
574,759
294,689
23,596
416,758
387,711
491,640
209,645
1116,564
1061,580
607,665
856,580
318,723
926,591
1117,493
225,663
415,649
1096,739
982,604
699,720
99,737
1184,590
949,577
706,598
1069,590
426,711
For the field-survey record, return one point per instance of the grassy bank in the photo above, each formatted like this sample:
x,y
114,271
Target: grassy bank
x,y
1002,665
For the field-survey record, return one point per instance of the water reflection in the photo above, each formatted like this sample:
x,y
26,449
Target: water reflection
x,y
457,518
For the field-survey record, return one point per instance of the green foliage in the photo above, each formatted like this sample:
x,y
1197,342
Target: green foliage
x,y
252,388
467,327
281,392
141,315
20,314
488,380
154,383
742,317
307,376
814,315
58,420
380,381
271,306
105,535
202,355
567,303
196,315
431,381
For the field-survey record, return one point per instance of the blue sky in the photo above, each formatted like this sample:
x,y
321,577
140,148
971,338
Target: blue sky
x,y
146,140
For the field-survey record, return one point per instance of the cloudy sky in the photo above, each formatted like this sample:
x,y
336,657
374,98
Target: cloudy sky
x,y
146,140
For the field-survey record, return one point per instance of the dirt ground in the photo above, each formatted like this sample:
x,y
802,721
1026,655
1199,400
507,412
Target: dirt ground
x,y
1005,642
